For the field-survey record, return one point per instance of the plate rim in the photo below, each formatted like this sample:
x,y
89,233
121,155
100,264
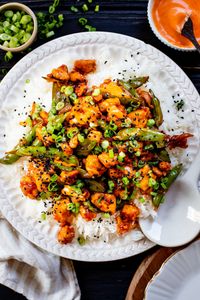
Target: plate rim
x,y
70,40
168,261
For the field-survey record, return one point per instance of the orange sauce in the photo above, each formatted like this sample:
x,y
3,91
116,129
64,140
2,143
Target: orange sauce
x,y
169,17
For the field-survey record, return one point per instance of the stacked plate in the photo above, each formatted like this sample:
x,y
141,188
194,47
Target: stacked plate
x,y
178,277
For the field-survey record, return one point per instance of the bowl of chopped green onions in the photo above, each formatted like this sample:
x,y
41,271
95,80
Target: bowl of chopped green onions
x,y
18,27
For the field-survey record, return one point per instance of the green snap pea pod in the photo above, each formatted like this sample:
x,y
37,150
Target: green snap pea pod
x,y
29,137
71,160
138,81
157,112
10,158
142,134
125,134
150,135
132,84
168,180
95,186
31,151
133,102
163,155
58,96
85,147
127,86
37,143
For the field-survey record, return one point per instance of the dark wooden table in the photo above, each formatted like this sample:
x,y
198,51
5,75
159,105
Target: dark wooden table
x,y
109,280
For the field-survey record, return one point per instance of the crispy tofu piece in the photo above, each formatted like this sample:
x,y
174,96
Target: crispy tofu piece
x,y
106,160
95,135
74,195
28,187
105,202
93,166
87,214
113,89
68,177
104,105
129,212
66,234
85,66
61,212
139,117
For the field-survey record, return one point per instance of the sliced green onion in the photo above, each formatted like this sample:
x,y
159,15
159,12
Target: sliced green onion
x,y
96,8
4,37
50,34
111,153
121,156
43,216
111,186
106,215
74,9
152,182
8,13
54,177
81,138
51,9
85,7
83,21
52,187
60,105
81,240
150,122
73,97
142,200
8,56
90,28
105,144
27,80
25,19
125,180
74,207
138,153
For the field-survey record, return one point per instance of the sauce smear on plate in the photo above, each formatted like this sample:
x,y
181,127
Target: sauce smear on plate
x,y
169,17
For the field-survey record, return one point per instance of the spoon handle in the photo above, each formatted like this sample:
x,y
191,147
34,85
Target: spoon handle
x,y
188,32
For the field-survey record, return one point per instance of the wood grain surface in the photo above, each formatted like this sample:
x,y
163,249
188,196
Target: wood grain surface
x,y
110,280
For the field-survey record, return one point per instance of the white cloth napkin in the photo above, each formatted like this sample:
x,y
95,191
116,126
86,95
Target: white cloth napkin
x,y
33,272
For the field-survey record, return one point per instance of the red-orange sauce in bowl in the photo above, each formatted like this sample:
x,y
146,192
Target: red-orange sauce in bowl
x,y
169,17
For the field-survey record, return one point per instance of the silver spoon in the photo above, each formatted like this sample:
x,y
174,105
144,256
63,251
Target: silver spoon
x,y
178,218
188,32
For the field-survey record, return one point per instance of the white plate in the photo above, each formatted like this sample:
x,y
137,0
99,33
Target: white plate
x,y
178,278
113,53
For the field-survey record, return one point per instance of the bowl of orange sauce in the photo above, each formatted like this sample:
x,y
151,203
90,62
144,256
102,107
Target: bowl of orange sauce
x,y
167,17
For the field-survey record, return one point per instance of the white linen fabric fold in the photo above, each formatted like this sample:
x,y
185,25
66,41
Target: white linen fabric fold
x,y
33,272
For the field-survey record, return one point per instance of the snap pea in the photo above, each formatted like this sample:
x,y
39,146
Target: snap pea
x,y
168,180
157,112
85,148
138,81
95,186
132,84
125,134
133,102
150,135
163,155
31,151
141,134
10,158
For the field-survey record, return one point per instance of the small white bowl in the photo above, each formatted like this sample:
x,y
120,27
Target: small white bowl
x,y
20,6
157,33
